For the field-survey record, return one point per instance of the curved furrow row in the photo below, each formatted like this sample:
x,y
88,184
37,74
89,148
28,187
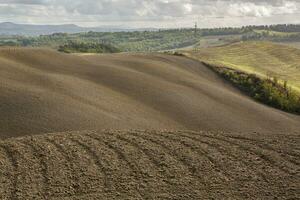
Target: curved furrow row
x,y
270,159
8,172
118,175
148,165
35,157
166,177
86,180
59,147
200,167
287,155
222,160
29,180
114,170
167,150
229,154
241,166
56,169
127,153
273,160
274,177
205,152
91,175
155,170
233,166
205,167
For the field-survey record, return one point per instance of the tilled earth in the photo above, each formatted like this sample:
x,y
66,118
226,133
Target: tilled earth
x,y
150,165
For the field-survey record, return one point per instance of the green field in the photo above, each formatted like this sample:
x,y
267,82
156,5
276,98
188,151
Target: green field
x,y
262,58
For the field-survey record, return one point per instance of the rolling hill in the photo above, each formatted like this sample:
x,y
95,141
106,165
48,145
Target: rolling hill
x,y
43,91
55,107
262,58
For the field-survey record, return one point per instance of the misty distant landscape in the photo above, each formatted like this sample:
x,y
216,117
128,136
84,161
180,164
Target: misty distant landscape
x,y
9,28
149,99
143,40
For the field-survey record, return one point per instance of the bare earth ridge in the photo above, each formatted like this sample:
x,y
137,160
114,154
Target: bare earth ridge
x,y
42,91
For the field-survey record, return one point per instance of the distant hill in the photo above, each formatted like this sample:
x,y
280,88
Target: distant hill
x,y
262,58
8,28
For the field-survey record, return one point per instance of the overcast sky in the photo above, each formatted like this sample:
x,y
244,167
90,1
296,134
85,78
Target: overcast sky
x,y
151,13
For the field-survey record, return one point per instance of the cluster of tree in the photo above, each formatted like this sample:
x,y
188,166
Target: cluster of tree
x,y
223,31
268,91
286,28
271,36
80,47
145,40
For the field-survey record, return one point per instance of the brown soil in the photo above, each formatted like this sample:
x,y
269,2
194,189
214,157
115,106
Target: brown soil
x,y
150,165
43,91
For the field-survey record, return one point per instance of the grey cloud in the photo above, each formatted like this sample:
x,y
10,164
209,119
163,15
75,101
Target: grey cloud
x,y
158,11
28,2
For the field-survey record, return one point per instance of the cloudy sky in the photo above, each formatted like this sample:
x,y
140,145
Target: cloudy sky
x,y
151,13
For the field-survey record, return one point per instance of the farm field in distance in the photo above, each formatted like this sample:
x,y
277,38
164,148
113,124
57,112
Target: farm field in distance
x,y
262,58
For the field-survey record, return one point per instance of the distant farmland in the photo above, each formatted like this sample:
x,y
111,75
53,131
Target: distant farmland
x,y
262,58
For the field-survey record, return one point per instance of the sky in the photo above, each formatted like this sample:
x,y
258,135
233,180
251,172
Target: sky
x,y
151,13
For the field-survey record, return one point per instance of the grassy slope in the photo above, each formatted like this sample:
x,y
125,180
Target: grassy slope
x,y
262,58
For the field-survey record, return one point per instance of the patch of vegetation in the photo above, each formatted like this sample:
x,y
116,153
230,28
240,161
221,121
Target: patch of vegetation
x,y
268,91
267,35
137,41
174,53
73,47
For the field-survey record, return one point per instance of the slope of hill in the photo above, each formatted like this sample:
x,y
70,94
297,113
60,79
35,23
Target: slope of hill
x,y
150,165
44,91
262,58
